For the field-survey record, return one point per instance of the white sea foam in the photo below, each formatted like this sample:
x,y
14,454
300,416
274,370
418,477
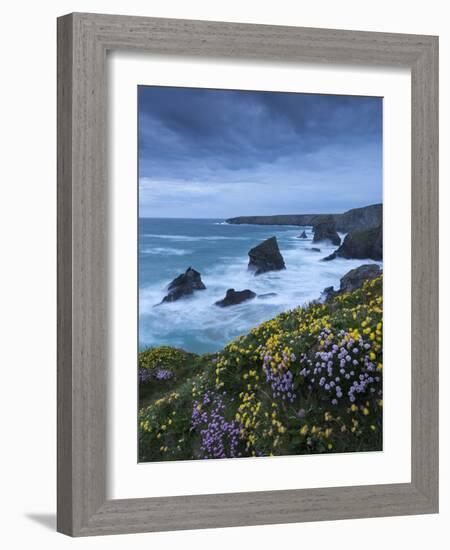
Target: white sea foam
x,y
197,324
161,251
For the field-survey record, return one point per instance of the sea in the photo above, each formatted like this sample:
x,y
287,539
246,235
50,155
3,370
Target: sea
x,y
219,251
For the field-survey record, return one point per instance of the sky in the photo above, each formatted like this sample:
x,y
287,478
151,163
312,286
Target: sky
x,y
223,153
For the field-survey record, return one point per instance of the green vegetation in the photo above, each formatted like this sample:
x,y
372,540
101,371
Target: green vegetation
x,y
307,381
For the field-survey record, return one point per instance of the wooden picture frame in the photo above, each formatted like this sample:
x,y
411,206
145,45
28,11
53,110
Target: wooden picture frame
x,y
83,41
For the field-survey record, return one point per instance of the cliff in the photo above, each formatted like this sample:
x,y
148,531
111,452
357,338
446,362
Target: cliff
x,y
356,218
265,393
360,218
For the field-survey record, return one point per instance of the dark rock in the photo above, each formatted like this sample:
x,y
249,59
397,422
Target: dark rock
x,y
314,249
266,295
327,293
303,235
361,244
184,285
355,278
332,256
352,280
326,231
266,256
234,297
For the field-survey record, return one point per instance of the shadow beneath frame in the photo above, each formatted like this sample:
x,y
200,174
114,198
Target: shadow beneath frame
x,y
46,520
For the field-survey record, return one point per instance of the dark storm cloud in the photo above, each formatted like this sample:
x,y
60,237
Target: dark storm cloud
x,y
215,145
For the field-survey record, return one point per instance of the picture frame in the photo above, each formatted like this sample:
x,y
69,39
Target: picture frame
x,y
84,39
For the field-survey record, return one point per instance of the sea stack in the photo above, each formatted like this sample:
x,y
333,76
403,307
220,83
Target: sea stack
x,y
184,285
265,257
235,297
303,235
326,231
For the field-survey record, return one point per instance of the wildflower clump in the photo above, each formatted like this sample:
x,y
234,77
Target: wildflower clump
x,y
307,381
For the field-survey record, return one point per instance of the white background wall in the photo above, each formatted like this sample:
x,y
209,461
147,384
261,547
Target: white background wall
x,y
28,268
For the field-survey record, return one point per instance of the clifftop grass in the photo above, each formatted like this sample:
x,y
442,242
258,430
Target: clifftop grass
x,y
307,381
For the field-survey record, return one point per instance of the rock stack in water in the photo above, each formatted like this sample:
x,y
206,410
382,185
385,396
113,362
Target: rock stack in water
x,y
361,244
184,285
234,297
303,235
326,231
265,257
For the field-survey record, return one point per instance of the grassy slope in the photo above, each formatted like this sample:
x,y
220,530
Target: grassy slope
x,y
284,388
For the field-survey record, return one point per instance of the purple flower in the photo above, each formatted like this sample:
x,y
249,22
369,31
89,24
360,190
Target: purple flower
x,y
219,438
163,374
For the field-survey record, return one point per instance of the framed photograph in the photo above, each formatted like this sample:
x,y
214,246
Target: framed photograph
x,y
247,274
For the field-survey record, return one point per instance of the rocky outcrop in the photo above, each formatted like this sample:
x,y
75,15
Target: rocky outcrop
x,y
352,280
265,257
360,218
234,297
326,231
356,218
361,244
303,235
184,285
327,294
314,249
355,278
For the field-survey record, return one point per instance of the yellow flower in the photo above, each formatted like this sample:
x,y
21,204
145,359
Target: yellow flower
x,y
365,411
304,430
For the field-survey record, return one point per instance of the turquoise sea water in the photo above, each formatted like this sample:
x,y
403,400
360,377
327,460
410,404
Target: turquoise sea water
x,y
167,247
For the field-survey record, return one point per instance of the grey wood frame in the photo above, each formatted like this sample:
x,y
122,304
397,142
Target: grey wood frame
x,y
83,41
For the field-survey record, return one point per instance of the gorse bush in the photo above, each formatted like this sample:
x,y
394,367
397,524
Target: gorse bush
x,y
163,368
307,381
162,357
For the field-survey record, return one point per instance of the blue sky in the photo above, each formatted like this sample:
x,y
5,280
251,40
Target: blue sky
x,y
219,153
